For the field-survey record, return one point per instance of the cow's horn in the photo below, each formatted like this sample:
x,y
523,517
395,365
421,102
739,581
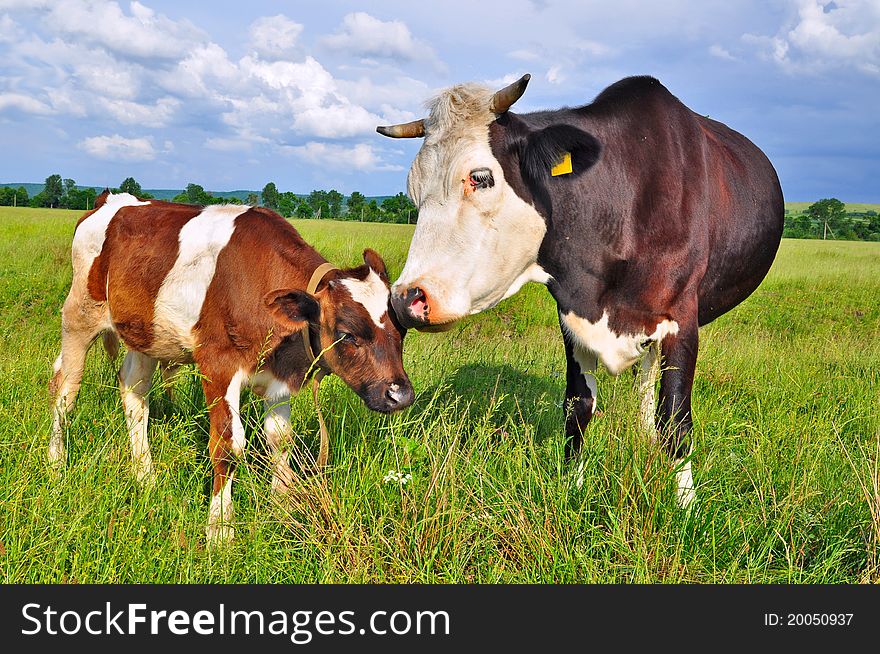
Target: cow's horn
x,y
503,99
411,130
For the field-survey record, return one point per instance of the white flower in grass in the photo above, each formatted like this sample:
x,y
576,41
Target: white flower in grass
x,y
398,477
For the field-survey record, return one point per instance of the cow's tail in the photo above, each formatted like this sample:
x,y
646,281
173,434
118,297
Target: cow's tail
x,y
111,343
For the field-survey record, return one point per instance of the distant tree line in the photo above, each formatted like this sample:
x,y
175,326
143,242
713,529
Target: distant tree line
x,y
12,197
829,219
61,193
318,204
332,204
195,194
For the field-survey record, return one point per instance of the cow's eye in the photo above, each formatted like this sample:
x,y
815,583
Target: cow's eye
x,y
482,178
345,337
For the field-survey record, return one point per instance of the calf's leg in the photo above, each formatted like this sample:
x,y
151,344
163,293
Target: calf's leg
x,y
80,325
225,443
278,435
135,378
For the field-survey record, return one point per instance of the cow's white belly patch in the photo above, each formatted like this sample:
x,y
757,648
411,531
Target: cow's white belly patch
x,y
180,298
617,352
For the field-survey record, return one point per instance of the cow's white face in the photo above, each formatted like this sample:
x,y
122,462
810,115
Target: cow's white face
x,y
475,237
476,241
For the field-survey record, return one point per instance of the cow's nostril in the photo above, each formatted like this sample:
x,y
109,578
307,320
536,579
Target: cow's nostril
x,y
410,306
417,303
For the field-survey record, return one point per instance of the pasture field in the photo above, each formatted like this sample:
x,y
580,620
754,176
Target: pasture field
x,y
787,448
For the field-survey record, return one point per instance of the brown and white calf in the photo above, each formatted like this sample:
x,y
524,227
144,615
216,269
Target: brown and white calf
x,y
224,287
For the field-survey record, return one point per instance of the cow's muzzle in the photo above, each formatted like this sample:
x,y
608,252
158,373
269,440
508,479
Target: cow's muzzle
x,y
414,308
411,307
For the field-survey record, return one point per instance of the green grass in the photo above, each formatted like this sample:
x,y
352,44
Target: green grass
x,y
787,433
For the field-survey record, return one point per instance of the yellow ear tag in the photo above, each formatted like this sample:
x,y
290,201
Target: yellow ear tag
x,y
563,167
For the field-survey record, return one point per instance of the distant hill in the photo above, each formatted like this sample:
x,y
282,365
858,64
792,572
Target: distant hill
x,y
168,193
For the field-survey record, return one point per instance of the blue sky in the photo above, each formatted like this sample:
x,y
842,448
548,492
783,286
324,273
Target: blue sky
x,y
231,95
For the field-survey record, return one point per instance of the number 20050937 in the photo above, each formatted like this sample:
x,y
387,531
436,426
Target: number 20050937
x,y
807,619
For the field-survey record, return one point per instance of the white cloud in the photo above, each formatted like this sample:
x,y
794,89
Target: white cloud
x,y
23,103
591,48
148,115
501,82
824,36
339,158
228,144
524,55
721,53
119,148
363,35
554,75
274,36
111,78
114,67
7,28
142,34
204,71
302,97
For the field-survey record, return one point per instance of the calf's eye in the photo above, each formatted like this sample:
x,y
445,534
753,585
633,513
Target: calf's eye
x,y
481,178
345,337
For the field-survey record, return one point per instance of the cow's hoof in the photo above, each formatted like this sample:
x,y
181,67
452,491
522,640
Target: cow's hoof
x,y
684,485
576,474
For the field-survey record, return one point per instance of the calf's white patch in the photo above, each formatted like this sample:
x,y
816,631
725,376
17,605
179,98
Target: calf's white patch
x,y
180,298
89,237
233,397
371,293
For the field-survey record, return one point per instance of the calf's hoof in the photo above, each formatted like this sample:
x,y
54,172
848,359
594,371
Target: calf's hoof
x,y
219,535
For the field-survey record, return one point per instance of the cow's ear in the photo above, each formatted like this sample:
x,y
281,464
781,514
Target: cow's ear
x,y
374,261
559,151
292,308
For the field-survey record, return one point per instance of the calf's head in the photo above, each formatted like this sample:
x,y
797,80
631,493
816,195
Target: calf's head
x,y
351,317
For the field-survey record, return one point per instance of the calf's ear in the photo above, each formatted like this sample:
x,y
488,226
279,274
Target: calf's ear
x,y
292,308
374,261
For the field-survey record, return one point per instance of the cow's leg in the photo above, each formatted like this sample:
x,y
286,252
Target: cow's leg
x,y
219,390
80,325
135,378
674,421
650,368
580,393
279,434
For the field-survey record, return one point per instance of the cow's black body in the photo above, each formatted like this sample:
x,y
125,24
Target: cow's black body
x,y
667,214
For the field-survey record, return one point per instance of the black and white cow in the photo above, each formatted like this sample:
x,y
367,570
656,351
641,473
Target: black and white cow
x,y
644,219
